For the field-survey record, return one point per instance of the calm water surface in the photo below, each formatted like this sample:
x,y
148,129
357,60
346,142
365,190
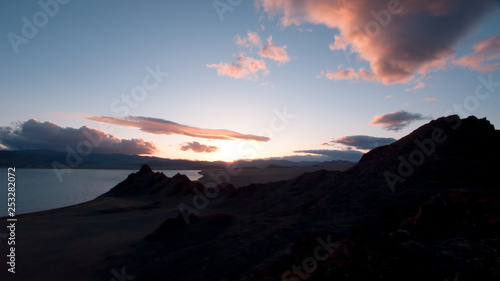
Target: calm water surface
x,y
40,189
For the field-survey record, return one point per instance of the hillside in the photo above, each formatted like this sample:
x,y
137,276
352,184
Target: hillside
x,y
393,216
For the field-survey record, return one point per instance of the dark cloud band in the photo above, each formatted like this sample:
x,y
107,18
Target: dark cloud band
x,y
396,121
33,134
198,147
361,141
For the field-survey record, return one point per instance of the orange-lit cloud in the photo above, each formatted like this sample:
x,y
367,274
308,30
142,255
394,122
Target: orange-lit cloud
x,y
273,52
198,147
397,38
245,68
484,52
396,121
33,134
251,40
350,74
164,127
430,99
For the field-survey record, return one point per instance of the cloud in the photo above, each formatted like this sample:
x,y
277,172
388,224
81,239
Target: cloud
x,y
484,52
246,68
419,85
198,147
164,127
397,38
350,74
430,99
396,121
273,52
251,40
33,134
346,155
361,141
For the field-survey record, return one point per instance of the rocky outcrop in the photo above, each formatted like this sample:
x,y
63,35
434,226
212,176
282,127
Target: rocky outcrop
x,y
146,183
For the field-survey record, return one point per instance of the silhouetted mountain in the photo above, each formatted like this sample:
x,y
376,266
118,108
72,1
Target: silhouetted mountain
x,y
382,219
441,221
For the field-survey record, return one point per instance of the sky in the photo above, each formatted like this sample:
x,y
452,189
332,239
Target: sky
x,y
241,79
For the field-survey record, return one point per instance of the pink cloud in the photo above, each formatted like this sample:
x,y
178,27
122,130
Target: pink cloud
x,y
430,99
397,38
246,68
350,74
273,52
484,52
339,43
251,40
164,127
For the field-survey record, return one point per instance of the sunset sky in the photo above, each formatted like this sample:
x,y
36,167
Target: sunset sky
x,y
242,79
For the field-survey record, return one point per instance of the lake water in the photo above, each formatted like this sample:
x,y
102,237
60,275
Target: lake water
x,y
40,189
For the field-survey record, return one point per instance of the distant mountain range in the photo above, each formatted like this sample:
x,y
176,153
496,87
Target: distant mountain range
x,y
45,159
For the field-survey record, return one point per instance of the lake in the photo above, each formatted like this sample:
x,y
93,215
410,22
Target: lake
x,y
40,189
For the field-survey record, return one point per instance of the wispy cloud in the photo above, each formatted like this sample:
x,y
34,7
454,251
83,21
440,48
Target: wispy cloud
x,y
273,52
430,99
198,147
248,67
33,134
350,74
251,40
164,127
419,85
396,121
392,36
361,141
245,68
484,52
